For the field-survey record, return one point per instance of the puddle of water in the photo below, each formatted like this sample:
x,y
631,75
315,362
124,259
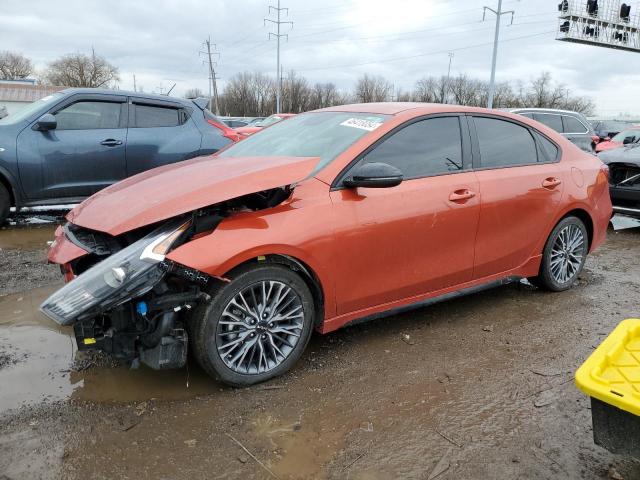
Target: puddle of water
x,y
42,353
304,445
23,238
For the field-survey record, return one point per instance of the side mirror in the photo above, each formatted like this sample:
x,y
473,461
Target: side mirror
x,y
374,175
46,122
628,140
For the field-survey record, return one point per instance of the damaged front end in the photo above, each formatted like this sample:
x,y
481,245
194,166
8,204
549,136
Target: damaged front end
x,y
127,299
624,187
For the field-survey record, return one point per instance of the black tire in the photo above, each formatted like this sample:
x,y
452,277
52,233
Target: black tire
x,y
5,203
547,279
206,318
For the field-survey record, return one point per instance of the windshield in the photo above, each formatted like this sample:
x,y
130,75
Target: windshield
x,y
318,134
30,109
635,134
269,121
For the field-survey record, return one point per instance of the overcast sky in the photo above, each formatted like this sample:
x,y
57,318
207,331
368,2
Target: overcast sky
x,y
331,40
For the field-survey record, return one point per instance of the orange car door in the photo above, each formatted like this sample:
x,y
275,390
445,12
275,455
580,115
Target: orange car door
x,y
417,237
520,187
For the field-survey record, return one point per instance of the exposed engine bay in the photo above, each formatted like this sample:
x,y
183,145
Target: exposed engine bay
x,y
127,299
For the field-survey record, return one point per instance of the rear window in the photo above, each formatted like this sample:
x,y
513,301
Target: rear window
x,y
573,125
147,116
548,152
551,121
504,144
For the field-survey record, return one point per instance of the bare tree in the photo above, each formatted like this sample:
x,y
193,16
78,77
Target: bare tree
x,y
194,93
370,88
464,91
296,94
426,90
80,70
323,95
14,66
254,93
402,96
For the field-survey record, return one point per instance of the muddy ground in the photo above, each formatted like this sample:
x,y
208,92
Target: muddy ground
x,y
475,388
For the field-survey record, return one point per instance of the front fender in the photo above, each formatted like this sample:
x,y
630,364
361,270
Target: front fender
x,y
300,229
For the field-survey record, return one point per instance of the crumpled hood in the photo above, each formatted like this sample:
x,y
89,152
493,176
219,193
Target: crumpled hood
x,y
171,190
627,154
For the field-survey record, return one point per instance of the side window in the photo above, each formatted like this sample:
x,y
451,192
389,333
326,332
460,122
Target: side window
x,y
424,148
548,151
89,115
527,114
551,121
504,144
573,125
147,116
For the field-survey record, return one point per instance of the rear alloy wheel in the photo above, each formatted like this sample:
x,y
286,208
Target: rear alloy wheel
x,y
5,203
564,255
256,327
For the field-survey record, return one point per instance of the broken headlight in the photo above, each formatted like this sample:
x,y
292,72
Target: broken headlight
x,y
126,274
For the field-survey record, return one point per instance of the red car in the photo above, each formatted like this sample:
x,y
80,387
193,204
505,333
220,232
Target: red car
x,y
623,138
270,120
330,217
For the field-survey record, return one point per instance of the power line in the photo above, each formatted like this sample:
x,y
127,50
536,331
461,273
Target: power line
x,y
409,57
277,36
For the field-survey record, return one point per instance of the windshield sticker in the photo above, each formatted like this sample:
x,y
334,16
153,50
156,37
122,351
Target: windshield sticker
x,y
362,124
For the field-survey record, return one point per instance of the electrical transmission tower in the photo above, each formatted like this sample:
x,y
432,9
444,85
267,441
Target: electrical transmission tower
x,y
213,86
498,13
278,35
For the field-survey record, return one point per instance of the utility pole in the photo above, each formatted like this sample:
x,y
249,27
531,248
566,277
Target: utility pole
x,y
134,83
213,86
277,35
498,13
444,93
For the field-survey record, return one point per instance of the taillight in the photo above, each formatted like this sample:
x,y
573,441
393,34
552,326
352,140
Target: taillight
x,y
227,132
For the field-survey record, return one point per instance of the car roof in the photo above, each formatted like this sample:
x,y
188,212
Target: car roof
x,y
394,108
108,91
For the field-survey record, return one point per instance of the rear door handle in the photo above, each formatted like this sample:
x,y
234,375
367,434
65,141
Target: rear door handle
x,y
551,183
111,142
461,195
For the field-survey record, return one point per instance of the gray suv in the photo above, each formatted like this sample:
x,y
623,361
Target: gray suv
x,y
573,125
67,146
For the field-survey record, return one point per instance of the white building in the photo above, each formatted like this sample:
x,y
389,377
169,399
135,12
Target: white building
x,y
15,94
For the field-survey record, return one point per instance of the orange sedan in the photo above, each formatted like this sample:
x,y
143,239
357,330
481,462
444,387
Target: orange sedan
x,y
333,216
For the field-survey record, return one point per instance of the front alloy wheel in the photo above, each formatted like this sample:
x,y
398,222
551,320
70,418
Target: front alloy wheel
x,y
260,327
255,327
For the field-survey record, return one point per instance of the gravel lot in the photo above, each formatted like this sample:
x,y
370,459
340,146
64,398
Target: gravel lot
x,y
480,387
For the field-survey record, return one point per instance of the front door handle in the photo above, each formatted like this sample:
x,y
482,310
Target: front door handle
x,y
111,142
551,183
461,195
